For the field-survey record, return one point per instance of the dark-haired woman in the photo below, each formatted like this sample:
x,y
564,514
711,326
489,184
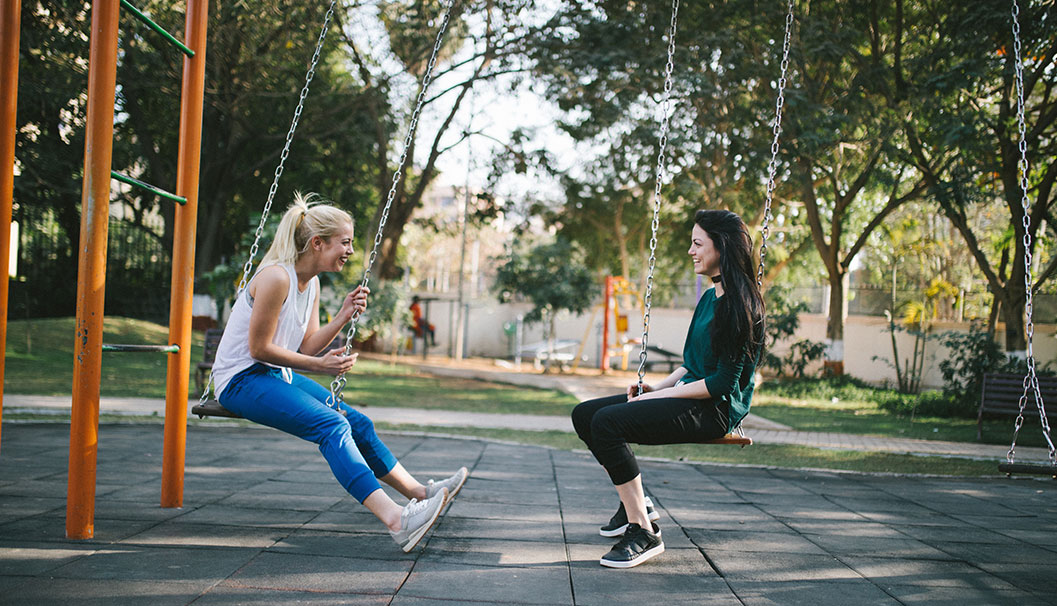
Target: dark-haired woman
x,y
702,400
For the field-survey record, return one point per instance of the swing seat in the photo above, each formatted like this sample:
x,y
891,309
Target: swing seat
x,y
732,438
1039,469
212,408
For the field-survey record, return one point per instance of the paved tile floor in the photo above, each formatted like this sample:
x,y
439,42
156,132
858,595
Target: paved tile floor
x,y
264,522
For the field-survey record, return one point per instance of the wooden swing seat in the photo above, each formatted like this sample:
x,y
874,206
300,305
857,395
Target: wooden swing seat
x,y
732,438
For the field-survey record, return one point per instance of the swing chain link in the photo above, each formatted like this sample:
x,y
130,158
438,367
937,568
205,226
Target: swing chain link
x,y
248,266
772,166
666,105
337,386
255,247
1031,379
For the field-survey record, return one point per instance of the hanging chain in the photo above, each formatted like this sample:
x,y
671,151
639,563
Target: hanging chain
x,y
772,166
286,149
248,266
1031,379
338,384
666,105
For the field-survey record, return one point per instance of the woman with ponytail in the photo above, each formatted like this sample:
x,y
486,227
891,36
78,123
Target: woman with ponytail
x,y
702,400
274,329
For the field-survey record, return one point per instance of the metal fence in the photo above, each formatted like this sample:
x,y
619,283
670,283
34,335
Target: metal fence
x,y
137,276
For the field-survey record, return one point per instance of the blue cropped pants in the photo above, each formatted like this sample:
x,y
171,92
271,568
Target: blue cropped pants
x,y
355,453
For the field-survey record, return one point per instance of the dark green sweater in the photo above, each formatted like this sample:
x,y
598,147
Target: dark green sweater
x,y
728,380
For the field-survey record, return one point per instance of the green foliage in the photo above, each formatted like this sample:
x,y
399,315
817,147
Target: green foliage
x,y
927,404
844,387
972,354
783,319
551,276
256,64
388,312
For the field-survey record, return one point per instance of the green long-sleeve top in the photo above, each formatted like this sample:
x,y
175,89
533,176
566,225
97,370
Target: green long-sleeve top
x,y
727,380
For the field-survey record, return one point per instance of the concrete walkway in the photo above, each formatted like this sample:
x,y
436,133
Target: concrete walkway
x,y
264,522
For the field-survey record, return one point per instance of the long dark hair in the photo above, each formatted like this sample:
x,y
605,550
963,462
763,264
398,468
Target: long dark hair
x,y
739,323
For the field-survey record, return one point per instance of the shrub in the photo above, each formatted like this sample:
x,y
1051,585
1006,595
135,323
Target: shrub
x,y
972,354
929,404
783,319
844,387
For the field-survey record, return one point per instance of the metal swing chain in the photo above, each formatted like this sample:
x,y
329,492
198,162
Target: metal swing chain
x,y
337,386
1031,379
772,166
248,266
665,119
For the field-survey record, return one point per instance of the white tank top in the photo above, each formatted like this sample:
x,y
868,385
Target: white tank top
x,y
233,353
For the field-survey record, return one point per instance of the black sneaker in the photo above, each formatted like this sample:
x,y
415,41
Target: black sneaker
x,y
637,546
619,522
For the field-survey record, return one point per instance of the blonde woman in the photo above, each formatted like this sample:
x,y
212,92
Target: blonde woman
x,y
274,329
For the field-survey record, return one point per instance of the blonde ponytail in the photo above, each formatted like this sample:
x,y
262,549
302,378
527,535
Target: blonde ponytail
x,y
305,219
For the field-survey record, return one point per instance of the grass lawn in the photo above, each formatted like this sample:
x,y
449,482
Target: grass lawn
x,y
372,383
39,361
39,358
852,411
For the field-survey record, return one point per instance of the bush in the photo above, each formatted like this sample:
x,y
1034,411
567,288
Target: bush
x,y
929,404
783,318
844,387
972,354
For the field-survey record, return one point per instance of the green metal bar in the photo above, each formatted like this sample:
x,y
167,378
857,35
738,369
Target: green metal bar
x,y
154,26
142,348
147,186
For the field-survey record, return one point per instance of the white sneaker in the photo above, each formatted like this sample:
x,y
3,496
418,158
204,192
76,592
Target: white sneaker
x,y
453,484
417,518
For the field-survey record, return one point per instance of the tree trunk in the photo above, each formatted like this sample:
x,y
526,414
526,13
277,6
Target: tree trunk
x,y
834,362
1013,315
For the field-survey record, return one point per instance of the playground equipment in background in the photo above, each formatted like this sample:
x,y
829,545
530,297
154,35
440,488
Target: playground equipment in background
x,y
99,133
620,299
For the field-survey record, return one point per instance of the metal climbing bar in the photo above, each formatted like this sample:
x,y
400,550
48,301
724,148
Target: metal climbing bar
x,y
142,348
147,186
154,26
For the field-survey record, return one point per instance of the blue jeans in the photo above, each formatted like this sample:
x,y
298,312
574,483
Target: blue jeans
x,y
355,453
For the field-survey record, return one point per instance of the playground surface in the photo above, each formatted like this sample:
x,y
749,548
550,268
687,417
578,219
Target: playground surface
x,y
263,522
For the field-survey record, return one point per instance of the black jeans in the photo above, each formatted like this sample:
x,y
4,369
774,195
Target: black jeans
x,y
608,424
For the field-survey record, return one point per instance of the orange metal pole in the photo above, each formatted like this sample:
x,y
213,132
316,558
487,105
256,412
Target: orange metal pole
x,y
604,364
91,270
10,16
183,257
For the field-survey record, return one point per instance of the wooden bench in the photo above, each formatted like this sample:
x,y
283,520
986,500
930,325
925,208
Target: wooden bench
x,y
1001,395
209,354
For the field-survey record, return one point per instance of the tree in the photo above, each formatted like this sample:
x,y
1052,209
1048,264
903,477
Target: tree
x,y
956,91
256,64
255,68
49,147
483,44
551,276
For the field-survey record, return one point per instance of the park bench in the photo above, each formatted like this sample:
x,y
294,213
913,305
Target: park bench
x,y
1001,395
209,354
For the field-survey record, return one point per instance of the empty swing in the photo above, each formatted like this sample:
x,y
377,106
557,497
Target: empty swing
x,y
1031,379
210,407
737,435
